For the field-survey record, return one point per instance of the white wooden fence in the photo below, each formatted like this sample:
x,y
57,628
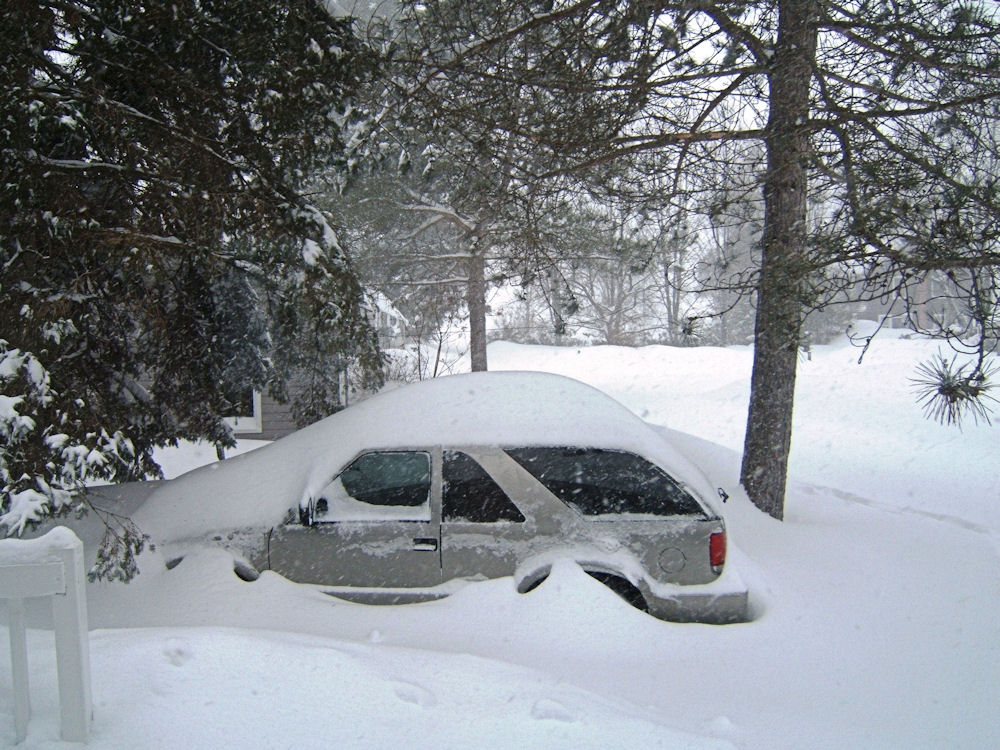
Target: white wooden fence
x,y
50,566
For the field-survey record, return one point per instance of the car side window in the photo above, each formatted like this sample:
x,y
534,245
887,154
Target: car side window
x,y
470,494
385,485
599,482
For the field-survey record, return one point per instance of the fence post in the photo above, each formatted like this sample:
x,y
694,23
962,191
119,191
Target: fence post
x,y
50,566
69,620
19,669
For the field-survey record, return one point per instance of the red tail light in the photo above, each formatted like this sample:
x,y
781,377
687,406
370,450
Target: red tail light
x,y
717,549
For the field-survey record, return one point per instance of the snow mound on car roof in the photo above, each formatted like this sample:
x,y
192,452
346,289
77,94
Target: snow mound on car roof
x,y
494,408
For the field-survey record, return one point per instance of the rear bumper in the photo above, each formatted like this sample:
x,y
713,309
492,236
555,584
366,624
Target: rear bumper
x,y
722,602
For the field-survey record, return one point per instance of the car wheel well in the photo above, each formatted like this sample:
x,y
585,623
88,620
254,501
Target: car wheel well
x,y
531,582
614,581
621,586
244,571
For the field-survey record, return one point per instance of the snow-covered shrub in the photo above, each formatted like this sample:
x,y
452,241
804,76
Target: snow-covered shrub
x,y
43,468
31,419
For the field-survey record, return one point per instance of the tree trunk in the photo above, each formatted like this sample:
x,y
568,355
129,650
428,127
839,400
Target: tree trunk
x,y
783,268
476,300
556,306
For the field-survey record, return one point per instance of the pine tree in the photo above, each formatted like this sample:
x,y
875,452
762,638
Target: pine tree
x,y
154,244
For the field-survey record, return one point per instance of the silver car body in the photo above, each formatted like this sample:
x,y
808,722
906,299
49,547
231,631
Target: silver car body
x,y
446,511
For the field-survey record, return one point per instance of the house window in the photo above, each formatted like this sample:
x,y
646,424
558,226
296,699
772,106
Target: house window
x,y
248,417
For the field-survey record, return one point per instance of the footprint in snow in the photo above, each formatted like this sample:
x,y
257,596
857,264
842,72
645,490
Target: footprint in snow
x,y
546,708
418,696
177,653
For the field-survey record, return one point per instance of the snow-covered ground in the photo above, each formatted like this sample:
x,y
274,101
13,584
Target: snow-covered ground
x,y
877,601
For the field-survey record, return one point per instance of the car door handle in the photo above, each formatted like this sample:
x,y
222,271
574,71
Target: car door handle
x,y
425,544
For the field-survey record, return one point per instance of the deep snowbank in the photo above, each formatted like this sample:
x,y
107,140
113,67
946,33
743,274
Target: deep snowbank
x,y
878,606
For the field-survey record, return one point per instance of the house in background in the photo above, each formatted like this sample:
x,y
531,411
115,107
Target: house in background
x,y
389,322
263,418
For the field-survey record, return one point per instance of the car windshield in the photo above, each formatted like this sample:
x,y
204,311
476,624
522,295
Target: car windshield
x,y
599,482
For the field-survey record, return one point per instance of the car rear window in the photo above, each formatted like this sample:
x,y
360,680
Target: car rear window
x,y
599,482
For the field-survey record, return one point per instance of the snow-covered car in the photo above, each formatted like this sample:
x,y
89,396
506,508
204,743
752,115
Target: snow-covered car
x,y
466,477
